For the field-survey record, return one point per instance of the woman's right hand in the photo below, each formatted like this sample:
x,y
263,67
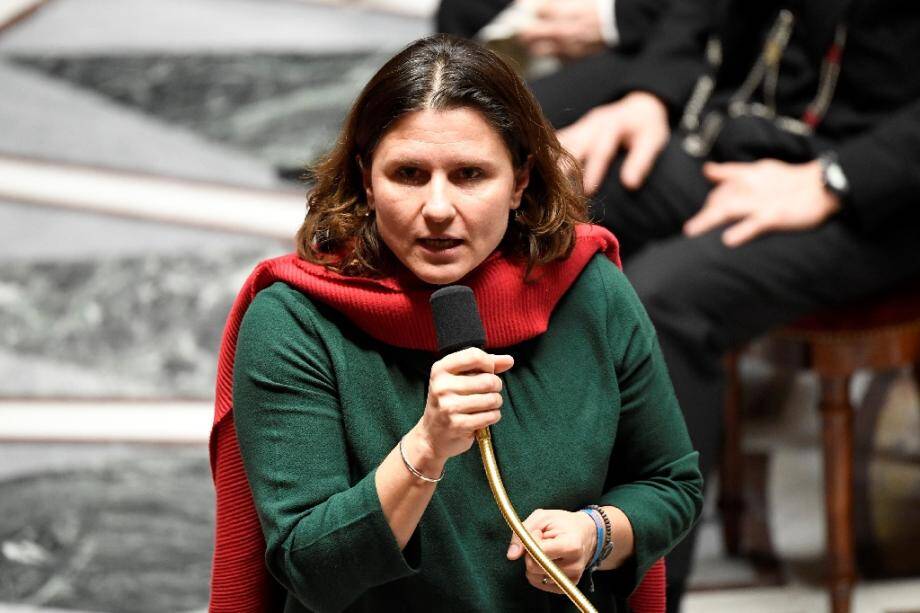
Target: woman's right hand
x,y
464,395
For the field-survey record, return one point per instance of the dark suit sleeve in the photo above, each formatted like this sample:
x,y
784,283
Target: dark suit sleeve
x,y
674,55
883,168
636,20
466,17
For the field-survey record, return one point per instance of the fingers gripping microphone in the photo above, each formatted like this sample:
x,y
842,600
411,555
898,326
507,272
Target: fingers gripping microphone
x,y
458,326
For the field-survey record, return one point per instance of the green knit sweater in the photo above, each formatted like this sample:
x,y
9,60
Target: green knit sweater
x,y
589,416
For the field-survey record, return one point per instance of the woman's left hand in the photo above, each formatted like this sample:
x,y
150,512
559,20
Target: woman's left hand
x,y
569,539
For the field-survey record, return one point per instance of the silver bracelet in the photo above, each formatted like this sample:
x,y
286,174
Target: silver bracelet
x,y
412,469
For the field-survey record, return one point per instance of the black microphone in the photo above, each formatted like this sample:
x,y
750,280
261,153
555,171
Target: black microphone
x,y
456,319
458,326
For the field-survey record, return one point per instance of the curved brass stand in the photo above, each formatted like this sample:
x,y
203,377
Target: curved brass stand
x,y
484,438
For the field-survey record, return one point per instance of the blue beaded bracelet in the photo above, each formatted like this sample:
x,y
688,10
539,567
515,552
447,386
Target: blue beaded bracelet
x,y
599,523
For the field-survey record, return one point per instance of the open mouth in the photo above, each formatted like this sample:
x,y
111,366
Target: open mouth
x,y
439,244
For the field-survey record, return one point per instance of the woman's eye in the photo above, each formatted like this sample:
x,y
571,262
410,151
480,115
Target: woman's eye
x,y
409,174
470,173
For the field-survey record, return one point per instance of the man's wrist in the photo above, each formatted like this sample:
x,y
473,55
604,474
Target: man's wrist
x,y
648,101
833,178
830,200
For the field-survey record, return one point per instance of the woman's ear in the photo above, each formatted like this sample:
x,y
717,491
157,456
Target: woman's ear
x,y
521,180
366,182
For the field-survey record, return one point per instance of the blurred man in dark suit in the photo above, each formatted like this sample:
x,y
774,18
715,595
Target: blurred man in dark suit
x,y
779,177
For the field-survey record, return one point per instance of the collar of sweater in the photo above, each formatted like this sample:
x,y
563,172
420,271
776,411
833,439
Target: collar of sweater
x,y
396,311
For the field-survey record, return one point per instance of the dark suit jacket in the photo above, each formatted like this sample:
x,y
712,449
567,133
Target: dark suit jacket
x,y
874,118
635,18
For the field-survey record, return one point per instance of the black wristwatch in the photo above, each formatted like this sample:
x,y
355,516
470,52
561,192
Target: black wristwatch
x,y
832,175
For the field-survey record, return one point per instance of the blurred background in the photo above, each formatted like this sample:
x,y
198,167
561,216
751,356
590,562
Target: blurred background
x,y
150,155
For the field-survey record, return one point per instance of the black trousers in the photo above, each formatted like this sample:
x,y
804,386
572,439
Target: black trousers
x,y
705,298
580,85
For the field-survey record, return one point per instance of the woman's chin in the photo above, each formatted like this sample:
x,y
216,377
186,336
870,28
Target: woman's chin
x,y
439,277
439,274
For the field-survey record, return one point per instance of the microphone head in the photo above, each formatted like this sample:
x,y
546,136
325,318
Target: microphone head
x,y
456,319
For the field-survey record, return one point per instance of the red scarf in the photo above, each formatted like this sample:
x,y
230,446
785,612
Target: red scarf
x,y
394,310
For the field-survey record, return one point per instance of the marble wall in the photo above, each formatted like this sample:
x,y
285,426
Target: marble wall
x,y
144,326
282,108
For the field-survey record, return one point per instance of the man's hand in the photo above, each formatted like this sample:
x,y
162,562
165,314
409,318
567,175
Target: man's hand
x,y
638,122
568,29
763,196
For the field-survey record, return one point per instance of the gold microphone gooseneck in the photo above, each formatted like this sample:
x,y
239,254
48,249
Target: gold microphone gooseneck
x,y
484,438
458,326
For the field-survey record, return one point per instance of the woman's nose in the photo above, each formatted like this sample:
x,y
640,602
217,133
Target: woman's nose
x,y
438,207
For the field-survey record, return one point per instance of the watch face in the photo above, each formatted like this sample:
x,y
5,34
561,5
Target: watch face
x,y
835,178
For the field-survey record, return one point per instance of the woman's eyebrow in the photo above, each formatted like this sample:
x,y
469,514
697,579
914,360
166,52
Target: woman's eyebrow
x,y
405,161
453,162
473,162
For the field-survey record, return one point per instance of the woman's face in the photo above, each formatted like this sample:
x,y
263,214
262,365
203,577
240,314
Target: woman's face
x,y
441,184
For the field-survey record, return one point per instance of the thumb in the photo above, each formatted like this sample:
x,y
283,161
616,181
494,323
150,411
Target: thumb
x,y
744,231
515,549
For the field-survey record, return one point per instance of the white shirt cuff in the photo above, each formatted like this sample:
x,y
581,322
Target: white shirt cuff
x,y
606,11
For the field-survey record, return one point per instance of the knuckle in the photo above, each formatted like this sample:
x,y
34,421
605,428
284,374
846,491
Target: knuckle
x,y
436,387
448,404
438,368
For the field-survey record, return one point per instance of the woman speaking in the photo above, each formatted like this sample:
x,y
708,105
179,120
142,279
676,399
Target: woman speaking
x,y
342,438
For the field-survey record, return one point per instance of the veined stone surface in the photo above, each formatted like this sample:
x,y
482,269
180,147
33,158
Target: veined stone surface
x,y
141,326
285,109
130,532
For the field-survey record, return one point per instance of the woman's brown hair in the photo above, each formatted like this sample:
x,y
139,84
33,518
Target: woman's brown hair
x,y
442,72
